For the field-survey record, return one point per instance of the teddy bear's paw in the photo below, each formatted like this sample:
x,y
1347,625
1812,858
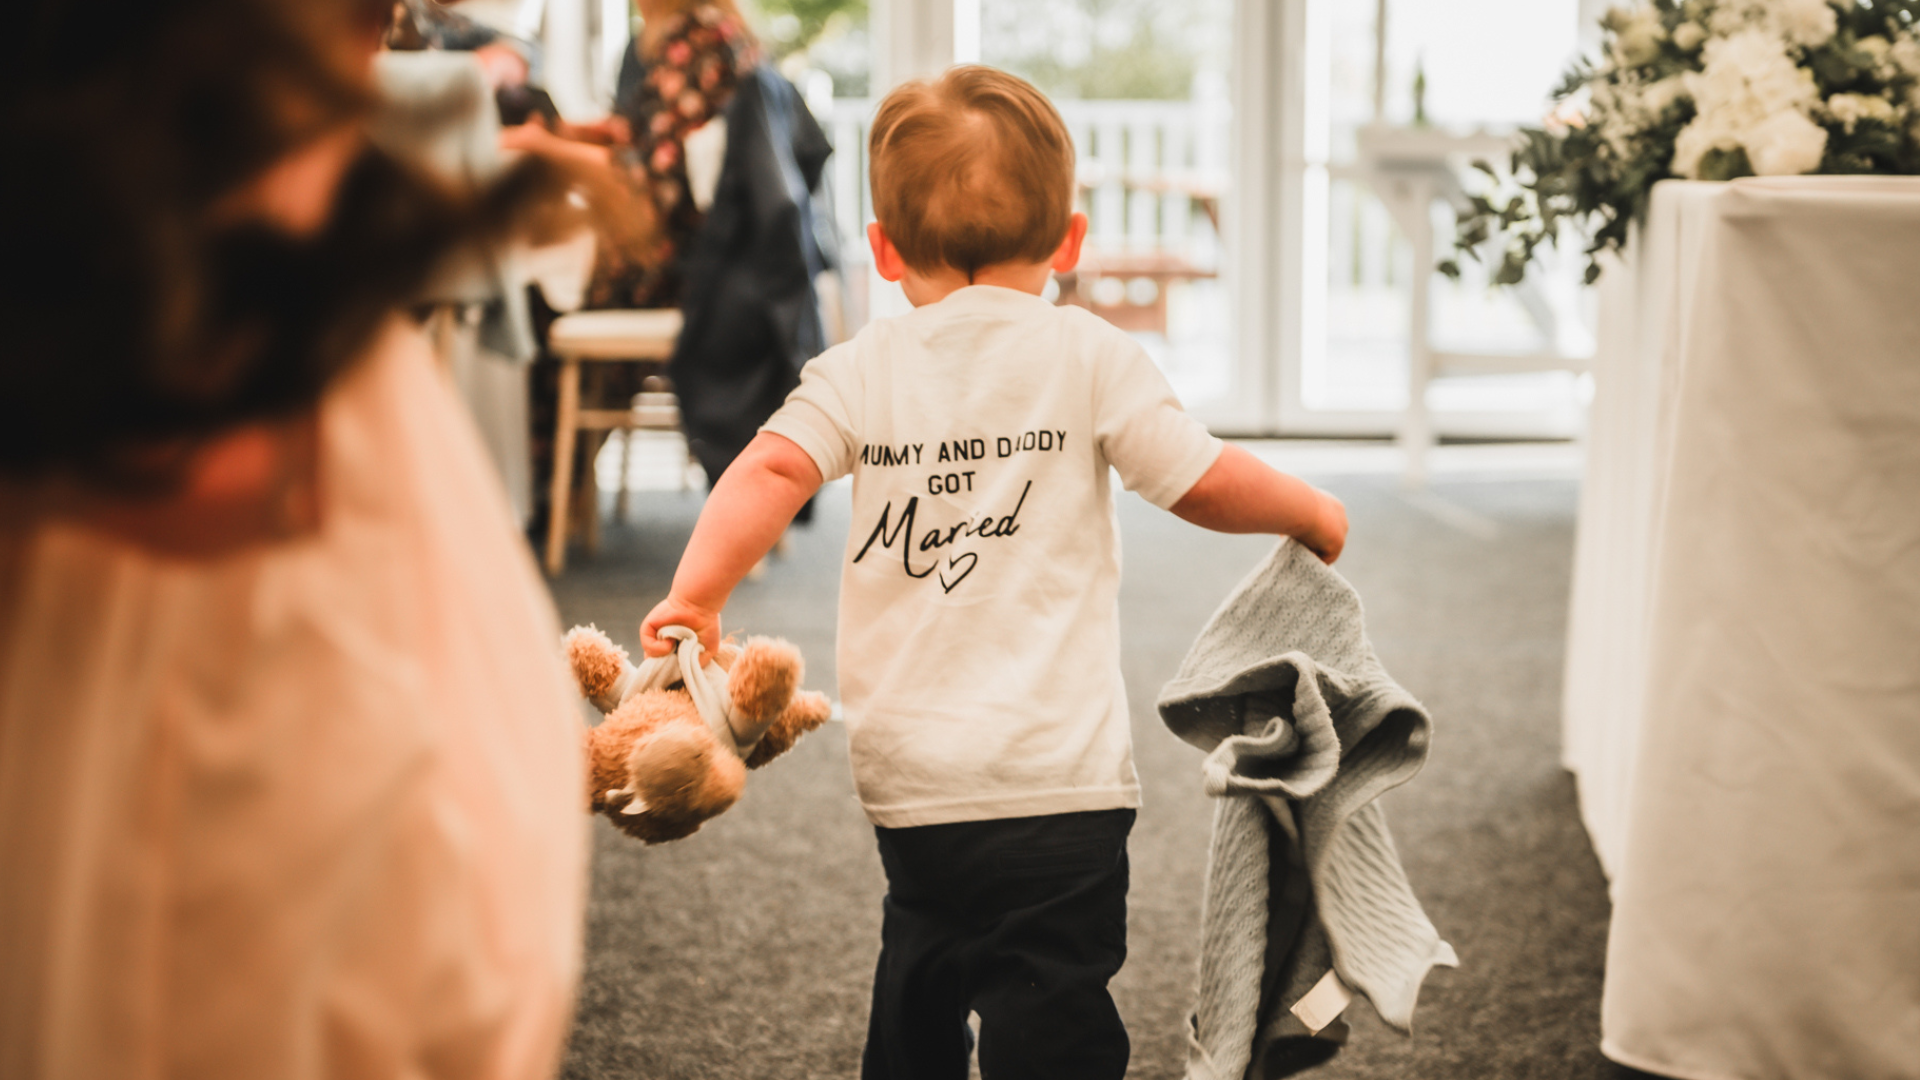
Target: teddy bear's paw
x,y
808,710
606,761
764,678
598,664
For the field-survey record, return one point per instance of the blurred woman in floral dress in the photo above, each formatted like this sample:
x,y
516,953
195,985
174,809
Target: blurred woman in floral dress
x,y
679,73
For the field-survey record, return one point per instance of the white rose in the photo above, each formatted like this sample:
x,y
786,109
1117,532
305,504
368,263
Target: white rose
x,y
1785,144
1850,109
1798,22
1702,134
1726,19
1750,94
1689,147
1688,36
1637,35
1749,77
1660,96
1904,54
1803,22
1729,17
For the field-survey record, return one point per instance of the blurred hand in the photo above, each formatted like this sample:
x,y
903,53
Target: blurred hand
x,y
503,65
606,131
532,135
674,611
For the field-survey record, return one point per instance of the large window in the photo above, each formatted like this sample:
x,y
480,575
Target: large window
x,y
1466,65
1233,229
1143,85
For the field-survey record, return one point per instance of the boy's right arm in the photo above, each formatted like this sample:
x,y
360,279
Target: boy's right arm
x,y
745,514
1242,494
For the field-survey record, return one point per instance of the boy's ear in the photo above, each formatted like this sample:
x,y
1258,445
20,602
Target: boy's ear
x,y
886,258
1067,256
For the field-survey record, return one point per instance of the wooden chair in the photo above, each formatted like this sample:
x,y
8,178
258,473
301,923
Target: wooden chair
x,y
591,336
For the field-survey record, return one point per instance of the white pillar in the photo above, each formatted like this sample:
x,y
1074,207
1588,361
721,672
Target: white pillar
x,y
529,17
565,38
912,39
616,30
966,31
1261,226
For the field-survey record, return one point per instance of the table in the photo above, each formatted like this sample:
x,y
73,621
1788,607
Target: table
x,y
1743,669
1407,169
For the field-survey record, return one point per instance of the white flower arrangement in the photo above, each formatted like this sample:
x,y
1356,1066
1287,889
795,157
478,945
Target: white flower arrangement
x,y
1705,90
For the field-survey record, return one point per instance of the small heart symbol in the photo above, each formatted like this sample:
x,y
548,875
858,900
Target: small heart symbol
x,y
955,572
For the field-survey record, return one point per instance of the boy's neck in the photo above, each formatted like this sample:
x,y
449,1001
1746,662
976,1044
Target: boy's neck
x,y
923,288
931,286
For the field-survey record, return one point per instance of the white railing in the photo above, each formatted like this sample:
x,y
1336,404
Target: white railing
x,y
1151,173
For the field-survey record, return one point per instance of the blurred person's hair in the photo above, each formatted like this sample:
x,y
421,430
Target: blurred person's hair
x,y
971,169
141,317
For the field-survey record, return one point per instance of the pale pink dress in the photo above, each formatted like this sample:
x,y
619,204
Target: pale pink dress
x,y
310,812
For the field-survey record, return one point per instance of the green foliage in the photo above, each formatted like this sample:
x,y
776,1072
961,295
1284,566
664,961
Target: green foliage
x,y
1594,172
807,20
1113,49
1139,69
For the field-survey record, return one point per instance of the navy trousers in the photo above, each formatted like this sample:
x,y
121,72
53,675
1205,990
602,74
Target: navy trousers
x,y
1021,920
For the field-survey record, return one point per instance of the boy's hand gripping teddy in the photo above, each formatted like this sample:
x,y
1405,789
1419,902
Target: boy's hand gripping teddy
x,y
679,735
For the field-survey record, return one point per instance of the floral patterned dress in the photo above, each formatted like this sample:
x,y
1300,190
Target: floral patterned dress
x,y
703,54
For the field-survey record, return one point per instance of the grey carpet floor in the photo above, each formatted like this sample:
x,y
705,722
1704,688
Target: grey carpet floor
x,y
746,949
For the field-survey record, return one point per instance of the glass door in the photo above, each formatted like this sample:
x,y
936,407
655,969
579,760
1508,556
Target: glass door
x,y
1390,68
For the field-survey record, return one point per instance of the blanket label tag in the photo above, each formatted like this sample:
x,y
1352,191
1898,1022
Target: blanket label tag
x,y
1323,1004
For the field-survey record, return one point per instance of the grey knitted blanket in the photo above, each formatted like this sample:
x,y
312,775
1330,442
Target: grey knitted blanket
x,y
1304,730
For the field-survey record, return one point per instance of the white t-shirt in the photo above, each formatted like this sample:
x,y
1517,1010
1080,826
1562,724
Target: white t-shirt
x,y
979,646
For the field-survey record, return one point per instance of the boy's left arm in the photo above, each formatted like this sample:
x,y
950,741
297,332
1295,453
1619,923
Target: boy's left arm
x,y
745,515
1242,494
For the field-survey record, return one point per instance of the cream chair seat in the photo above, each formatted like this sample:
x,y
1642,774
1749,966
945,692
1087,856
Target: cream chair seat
x,y
600,336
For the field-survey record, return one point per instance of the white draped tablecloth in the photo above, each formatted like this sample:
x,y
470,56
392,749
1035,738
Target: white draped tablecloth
x,y
1743,673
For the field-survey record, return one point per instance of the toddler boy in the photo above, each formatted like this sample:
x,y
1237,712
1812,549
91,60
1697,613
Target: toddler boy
x,y
979,652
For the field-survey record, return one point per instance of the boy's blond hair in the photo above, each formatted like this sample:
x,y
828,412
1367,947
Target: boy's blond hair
x,y
971,169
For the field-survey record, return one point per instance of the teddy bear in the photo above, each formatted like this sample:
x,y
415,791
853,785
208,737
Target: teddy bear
x,y
674,748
